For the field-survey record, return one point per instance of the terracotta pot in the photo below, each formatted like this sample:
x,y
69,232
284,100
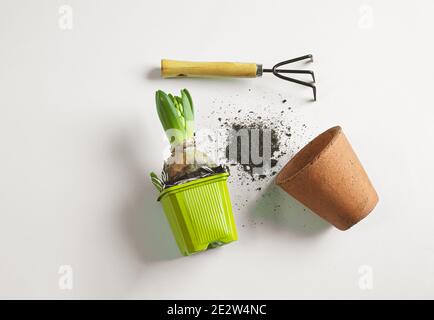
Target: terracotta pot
x,y
328,178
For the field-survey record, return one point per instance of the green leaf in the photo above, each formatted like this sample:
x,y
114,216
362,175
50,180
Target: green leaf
x,y
189,99
156,181
160,107
172,121
188,114
179,103
176,115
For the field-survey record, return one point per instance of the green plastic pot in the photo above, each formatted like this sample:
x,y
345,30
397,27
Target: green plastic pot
x,y
200,213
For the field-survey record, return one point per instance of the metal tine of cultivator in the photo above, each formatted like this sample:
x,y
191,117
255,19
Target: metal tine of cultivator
x,y
279,72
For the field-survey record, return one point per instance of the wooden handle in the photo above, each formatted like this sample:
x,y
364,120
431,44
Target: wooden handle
x,y
174,68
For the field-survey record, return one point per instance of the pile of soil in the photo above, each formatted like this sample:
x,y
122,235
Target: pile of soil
x,y
280,135
249,127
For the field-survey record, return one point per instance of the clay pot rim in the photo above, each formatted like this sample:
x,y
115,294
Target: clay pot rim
x,y
336,130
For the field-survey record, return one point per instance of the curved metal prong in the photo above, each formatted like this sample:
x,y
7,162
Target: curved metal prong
x,y
303,83
308,56
297,71
278,72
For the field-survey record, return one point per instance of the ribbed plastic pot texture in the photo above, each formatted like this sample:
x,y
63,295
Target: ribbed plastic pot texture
x,y
200,213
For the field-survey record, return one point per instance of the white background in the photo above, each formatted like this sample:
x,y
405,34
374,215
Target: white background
x,y
79,135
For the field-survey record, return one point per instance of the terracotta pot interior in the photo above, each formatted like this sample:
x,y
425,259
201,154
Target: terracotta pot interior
x,y
307,155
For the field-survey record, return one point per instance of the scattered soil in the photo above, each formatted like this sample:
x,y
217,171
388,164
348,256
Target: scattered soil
x,y
269,111
258,124
280,136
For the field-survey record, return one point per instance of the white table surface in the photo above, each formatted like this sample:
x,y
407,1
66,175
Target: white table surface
x,y
79,134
